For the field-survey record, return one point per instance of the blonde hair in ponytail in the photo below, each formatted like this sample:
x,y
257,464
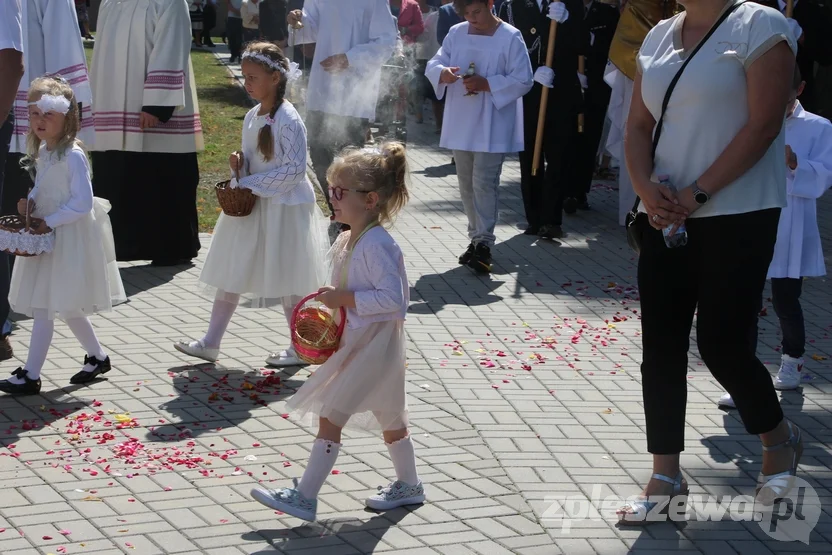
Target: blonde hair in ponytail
x,y
265,139
72,124
382,170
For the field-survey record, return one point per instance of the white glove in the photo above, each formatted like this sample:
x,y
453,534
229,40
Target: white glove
x,y
545,76
558,12
583,81
797,30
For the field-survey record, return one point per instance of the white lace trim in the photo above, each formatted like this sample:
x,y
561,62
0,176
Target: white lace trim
x,y
20,241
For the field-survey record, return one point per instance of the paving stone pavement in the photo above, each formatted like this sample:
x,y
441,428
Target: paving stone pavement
x,y
523,387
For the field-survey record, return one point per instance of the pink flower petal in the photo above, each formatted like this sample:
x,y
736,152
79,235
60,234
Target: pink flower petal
x,y
65,532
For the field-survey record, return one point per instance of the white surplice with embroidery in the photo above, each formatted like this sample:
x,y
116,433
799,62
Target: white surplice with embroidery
x,y
364,30
143,58
279,249
798,252
489,121
52,44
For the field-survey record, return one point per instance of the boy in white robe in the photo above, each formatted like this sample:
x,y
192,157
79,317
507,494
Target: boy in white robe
x,y
147,128
798,253
353,40
53,45
483,113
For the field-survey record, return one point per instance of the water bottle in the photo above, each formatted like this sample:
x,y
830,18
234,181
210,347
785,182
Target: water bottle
x,y
680,237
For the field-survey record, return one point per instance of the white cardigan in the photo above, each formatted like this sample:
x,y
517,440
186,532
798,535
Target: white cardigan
x,y
376,274
798,252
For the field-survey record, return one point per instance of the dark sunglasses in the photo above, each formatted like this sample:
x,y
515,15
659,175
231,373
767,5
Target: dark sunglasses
x,y
338,192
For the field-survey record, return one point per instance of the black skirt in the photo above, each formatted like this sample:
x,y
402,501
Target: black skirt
x,y
153,195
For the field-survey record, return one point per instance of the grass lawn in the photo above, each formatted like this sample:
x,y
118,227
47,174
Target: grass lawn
x,y
222,107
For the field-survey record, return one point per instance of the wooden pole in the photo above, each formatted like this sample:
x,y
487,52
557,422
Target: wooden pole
x,y
544,99
582,71
789,8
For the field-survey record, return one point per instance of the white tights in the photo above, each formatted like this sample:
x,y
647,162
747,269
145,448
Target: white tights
x,y
42,331
225,304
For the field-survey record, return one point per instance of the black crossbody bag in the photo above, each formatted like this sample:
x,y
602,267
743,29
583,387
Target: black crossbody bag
x,y
636,221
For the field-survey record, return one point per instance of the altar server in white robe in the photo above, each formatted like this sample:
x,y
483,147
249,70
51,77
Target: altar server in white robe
x,y
483,113
147,128
53,46
798,252
352,41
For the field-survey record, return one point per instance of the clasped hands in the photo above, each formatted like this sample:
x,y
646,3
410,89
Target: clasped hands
x,y
473,83
666,207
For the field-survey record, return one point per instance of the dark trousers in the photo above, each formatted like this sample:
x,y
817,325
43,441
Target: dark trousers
x,y
785,296
543,194
719,276
5,260
587,151
209,21
328,135
234,32
250,35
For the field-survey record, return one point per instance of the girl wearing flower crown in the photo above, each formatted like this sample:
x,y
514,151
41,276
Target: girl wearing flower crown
x,y
276,254
79,276
363,384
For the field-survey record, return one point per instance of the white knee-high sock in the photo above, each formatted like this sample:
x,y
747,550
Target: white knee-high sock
x,y
39,346
404,460
321,460
224,307
82,329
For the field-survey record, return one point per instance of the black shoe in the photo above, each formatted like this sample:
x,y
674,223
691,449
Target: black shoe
x,y
210,45
101,367
481,261
466,257
570,205
531,230
584,205
29,387
551,232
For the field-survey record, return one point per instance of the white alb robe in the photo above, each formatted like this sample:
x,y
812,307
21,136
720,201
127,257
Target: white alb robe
x,y
489,121
52,45
143,58
365,31
798,252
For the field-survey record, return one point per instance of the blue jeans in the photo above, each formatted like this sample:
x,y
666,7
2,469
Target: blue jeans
x,y
5,141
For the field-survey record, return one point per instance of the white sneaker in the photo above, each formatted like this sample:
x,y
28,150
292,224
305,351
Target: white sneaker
x,y
789,375
198,350
285,359
397,494
726,402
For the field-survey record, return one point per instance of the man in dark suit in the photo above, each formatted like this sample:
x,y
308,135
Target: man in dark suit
x,y
544,193
600,21
273,25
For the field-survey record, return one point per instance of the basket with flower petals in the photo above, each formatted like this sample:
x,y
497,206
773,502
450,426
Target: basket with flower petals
x,y
315,332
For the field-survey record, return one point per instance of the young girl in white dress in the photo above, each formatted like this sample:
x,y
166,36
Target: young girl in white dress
x,y
276,254
79,277
363,384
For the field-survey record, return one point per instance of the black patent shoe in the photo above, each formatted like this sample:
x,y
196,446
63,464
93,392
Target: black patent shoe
x,y
29,387
101,367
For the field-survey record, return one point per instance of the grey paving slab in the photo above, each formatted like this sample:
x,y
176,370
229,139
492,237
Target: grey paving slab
x,y
523,386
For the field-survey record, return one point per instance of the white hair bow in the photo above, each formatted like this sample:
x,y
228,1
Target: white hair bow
x,y
52,103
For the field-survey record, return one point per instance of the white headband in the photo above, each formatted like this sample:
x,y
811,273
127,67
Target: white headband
x,y
52,103
293,73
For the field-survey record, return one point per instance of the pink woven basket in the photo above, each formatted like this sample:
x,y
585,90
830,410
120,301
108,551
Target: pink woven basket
x,y
315,333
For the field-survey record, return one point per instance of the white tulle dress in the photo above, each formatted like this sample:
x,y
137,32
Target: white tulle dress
x,y
278,250
80,276
362,386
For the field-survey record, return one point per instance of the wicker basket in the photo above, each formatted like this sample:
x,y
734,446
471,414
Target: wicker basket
x,y
315,334
237,202
19,239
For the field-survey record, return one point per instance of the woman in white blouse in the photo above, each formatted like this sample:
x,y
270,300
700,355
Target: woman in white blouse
x,y
722,148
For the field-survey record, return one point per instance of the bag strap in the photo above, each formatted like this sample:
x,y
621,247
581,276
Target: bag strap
x,y
658,130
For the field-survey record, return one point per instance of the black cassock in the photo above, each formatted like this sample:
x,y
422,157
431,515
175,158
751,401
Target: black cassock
x,y
543,194
600,22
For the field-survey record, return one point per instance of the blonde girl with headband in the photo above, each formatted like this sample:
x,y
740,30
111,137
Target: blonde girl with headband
x,y
275,255
363,384
79,277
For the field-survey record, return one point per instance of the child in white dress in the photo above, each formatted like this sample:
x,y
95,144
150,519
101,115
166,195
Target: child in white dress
x,y
79,276
363,384
275,254
483,113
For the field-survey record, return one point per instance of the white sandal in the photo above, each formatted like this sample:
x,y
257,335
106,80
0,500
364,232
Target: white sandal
x,y
636,512
772,487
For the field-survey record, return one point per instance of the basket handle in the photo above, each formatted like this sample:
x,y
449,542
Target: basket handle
x,y
28,216
296,311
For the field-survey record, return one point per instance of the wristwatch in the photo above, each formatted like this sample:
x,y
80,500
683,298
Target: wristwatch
x,y
700,196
